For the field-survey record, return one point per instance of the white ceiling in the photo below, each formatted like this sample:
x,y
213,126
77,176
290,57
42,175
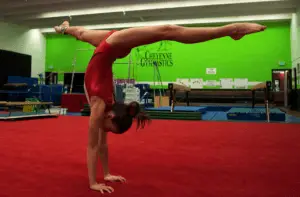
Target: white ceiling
x,y
47,13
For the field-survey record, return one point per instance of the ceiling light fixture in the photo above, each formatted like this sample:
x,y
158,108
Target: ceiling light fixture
x,y
147,6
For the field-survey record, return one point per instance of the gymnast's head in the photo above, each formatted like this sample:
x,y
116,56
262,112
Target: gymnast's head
x,y
121,117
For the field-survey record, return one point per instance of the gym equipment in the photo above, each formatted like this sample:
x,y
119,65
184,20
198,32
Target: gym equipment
x,y
266,87
157,76
21,88
179,109
74,65
179,113
173,87
50,92
132,91
175,115
255,114
18,88
28,113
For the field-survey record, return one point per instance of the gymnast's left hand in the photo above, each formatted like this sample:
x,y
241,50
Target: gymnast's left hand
x,y
113,178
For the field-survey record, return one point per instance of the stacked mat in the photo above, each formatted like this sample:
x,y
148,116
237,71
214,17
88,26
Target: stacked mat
x,y
179,113
254,114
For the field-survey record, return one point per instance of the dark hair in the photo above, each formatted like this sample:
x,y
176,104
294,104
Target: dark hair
x,y
124,114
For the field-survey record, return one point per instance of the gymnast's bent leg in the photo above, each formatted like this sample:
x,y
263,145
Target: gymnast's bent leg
x,y
93,37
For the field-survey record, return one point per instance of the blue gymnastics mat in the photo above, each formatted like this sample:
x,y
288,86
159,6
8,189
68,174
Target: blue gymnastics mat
x,y
255,114
179,109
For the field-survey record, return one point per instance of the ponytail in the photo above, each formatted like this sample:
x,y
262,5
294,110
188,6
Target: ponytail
x,y
134,110
124,114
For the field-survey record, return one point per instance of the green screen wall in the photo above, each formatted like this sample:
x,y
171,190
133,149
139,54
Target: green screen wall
x,y
252,57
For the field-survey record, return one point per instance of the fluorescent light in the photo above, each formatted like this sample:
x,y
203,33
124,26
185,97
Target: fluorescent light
x,y
147,6
186,22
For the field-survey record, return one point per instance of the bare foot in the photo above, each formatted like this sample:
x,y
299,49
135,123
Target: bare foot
x,y
242,29
62,27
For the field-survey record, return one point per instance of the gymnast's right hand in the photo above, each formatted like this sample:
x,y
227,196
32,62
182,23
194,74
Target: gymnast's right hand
x,y
101,188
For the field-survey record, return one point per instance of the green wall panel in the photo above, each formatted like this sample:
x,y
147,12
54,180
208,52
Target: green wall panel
x,y
252,57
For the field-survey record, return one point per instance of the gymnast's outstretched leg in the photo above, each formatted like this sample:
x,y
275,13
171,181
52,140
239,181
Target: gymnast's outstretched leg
x,y
133,37
94,37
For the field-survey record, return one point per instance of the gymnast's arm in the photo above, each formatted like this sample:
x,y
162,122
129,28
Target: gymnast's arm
x,y
103,153
94,137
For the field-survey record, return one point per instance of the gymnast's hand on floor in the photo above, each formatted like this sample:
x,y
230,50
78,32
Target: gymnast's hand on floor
x,y
101,188
113,178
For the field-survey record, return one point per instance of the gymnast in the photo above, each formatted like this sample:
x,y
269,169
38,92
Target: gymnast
x,y
108,116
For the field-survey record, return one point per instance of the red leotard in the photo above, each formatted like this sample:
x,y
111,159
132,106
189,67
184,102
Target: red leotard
x,y
98,76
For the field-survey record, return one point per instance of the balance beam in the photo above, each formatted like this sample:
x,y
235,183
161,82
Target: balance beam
x,y
179,87
26,103
15,85
266,87
11,104
260,86
28,117
174,87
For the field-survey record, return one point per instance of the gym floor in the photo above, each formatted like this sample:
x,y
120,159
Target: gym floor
x,y
168,158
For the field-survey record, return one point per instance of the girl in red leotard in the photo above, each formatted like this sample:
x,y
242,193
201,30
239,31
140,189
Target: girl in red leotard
x,y
111,45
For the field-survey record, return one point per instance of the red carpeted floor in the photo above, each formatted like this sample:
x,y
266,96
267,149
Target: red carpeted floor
x,y
170,158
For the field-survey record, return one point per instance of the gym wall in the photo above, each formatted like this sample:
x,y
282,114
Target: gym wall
x,y
14,64
251,58
22,40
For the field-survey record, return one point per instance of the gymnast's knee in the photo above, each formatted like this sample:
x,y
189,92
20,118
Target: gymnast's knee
x,y
80,33
102,147
169,32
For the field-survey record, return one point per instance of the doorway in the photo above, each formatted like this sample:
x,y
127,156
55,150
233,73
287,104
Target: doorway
x,y
279,77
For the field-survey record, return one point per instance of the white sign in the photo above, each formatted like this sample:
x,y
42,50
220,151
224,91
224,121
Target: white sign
x,y
211,83
196,83
226,83
185,82
241,83
211,71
